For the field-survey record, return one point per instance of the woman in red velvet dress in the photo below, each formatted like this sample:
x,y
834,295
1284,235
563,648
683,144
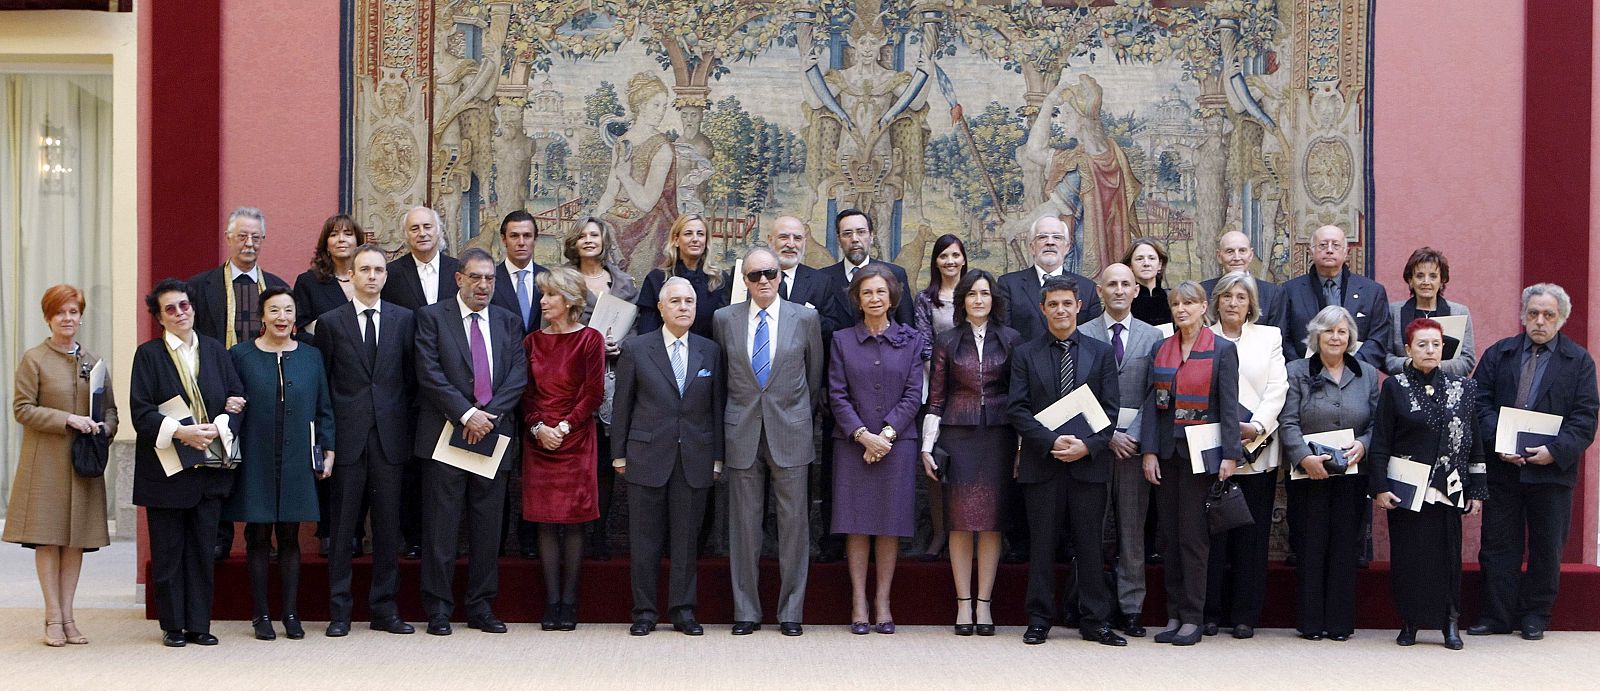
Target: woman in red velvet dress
x,y
566,382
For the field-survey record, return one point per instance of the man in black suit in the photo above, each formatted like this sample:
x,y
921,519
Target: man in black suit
x,y
1051,243
421,277
666,415
1234,253
516,292
471,370
1530,491
853,228
226,304
798,283
1329,282
1064,471
366,350
182,508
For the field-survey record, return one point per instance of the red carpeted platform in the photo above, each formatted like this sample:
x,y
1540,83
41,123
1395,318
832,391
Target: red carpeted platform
x,y
923,593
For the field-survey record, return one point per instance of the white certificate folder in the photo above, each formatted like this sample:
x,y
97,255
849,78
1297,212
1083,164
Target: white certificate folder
x,y
613,317
1077,413
475,463
1205,448
1408,480
1519,430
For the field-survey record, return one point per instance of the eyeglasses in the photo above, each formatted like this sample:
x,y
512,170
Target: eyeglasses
x,y
759,275
177,308
479,278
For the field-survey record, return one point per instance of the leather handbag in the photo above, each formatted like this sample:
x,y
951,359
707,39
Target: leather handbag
x,y
1226,508
90,453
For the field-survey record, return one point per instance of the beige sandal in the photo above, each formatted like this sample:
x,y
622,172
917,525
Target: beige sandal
x,y
71,639
53,642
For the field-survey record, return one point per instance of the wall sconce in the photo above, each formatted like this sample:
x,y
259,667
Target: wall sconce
x,y
53,168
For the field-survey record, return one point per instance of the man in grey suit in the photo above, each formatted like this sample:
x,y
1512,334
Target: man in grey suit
x,y
471,370
666,418
773,351
1131,342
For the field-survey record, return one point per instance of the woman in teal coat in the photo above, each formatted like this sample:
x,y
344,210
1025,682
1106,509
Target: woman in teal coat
x,y
275,489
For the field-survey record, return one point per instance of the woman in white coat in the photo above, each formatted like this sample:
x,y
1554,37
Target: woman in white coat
x,y
1237,578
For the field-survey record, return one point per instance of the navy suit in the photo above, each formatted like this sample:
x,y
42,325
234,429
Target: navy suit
x,y
373,415
1022,297
444,391
1366,300
505,294
1063,499
1531,505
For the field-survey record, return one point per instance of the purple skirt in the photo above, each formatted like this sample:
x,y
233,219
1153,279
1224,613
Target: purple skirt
x,y
878,498
976,474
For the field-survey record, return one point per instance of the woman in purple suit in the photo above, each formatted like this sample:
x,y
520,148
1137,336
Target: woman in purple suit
x,y
875,389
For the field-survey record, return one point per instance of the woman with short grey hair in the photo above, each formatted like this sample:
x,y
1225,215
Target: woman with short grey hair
x,y
1329,391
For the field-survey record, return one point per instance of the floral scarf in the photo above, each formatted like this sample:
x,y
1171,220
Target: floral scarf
x,y
1447,402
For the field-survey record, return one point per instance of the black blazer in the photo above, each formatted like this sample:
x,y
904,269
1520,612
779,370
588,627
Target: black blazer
x,y
706,301
1156,433
1034,387
209,298
1022,301
314,297
812,287
370,393
1271,297
404,288
505,294
154,381
1567,389
1366,300
846,314
655,428
444,373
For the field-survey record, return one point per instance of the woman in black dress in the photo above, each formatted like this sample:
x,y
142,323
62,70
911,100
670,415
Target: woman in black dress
x,y
966,424
688,255
1428,416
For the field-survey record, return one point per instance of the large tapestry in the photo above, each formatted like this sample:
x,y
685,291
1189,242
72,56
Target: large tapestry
x,y
1177,119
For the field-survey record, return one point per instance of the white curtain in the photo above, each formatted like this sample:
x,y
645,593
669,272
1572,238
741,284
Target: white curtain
x,y
55,223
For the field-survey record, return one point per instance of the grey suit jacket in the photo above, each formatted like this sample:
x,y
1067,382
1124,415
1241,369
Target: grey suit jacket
x,y
794,388
1460,365
1134,375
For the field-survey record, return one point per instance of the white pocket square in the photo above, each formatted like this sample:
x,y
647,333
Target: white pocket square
x,y
704,373
1361,315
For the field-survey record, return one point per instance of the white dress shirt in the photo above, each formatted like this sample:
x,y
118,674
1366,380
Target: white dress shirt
x,y
850,269
488,345
235,272
1046,274
428,275
361,319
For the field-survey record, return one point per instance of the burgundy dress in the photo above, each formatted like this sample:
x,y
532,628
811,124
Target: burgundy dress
x,y
566,382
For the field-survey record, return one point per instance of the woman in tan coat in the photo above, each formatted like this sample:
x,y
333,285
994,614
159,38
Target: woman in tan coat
x,y
54,511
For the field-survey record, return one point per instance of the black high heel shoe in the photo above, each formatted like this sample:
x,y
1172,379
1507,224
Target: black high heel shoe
x,y
292,627
1408,635
1452,635
982,629
263,627
569,616
965,629
552,617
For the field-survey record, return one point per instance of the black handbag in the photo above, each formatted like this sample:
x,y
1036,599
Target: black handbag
x,y
1226,508
90,452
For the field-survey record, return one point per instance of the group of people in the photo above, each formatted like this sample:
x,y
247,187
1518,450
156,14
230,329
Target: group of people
x,y
372,379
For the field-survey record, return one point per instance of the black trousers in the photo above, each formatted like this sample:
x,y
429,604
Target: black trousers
x,y
447,491
411,500
1181,497
1325,520
181,541
1541,512
669,516
1236,577
1074,510
372,480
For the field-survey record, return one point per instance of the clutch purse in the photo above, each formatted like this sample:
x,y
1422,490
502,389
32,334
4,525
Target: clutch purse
x,y
90,453
1226,508
1337,463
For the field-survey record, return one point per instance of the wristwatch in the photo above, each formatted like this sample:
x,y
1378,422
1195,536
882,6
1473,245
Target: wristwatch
x,y
563,427
888,433
856,435
1261,430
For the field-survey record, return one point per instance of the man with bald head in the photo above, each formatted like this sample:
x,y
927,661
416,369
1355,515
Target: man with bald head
x,y
1132,342
1051,242
798,283
1330,282
1234,253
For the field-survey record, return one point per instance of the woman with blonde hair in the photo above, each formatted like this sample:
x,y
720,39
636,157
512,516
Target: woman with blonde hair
x,y
687,255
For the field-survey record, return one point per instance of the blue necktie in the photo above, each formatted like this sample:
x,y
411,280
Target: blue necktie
x,y
760,360
523,298
678,366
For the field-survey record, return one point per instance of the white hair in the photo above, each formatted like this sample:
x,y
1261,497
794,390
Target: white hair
x,y
1328,318
438,224
1563,302
249,212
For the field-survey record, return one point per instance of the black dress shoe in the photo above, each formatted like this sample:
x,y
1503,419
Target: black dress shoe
x,y
200,638
395,625
1211,628
439,625
487,623
1036,634
1104,636
790,628
1407,636
1531,632
1452,636
1131,625
1166,635
263,628
172,639
1190,639
745,628
642,627
966,629
688,627
1243,631
1316,636
1340,637
292,627
337,629
1482,629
